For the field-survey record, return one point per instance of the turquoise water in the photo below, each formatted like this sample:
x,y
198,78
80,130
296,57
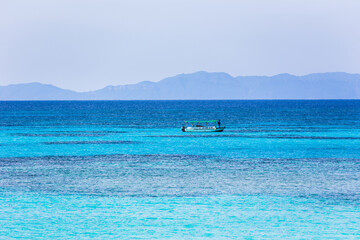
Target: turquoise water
x,y
124,169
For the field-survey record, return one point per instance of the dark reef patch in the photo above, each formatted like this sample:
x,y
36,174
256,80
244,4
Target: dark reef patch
x,y
59,134
170,175
67,134
269,130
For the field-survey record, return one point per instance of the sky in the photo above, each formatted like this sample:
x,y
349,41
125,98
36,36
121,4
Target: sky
x,y
86,45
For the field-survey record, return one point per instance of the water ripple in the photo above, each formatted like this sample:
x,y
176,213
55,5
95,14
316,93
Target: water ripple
x,y
91,142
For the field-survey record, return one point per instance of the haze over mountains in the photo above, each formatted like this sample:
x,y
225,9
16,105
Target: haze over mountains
x,y
204,85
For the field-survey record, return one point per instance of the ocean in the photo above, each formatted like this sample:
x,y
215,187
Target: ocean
x,y
125,170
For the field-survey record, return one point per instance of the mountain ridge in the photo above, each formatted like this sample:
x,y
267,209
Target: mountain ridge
x,y
204,85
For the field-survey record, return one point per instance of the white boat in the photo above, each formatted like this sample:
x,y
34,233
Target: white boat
x,y
202,126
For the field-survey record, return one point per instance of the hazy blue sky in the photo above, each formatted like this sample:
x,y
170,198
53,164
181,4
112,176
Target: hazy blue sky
x,y
85,45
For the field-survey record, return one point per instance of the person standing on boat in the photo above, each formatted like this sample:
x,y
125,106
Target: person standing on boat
x,y
219,123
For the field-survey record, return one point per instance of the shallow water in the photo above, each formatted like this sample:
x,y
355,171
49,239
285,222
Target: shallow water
x,y
124,169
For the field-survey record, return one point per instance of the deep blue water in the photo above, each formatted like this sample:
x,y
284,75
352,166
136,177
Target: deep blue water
x,y
124,169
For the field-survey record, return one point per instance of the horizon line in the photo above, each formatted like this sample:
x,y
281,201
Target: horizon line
x,y
154,100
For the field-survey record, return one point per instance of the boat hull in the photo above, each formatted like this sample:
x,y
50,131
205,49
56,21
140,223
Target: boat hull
x,y
203,129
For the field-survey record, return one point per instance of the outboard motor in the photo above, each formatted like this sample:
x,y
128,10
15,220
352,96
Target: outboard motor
x,y
183,128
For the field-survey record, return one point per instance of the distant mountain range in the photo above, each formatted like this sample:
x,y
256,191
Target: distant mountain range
x,y
204,85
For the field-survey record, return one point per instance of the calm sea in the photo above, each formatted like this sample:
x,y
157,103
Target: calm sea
x,y
124,169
